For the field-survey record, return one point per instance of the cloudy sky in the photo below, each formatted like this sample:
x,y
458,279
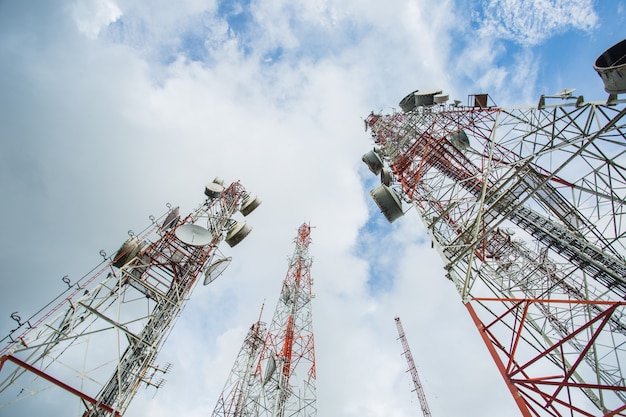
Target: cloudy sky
x,y
110,109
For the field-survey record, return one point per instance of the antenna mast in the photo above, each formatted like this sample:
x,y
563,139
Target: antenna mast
x,y
526,208
412,369
276,378
240,394
96,343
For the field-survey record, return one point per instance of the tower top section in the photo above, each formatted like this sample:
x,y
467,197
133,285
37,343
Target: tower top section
x,y
303,240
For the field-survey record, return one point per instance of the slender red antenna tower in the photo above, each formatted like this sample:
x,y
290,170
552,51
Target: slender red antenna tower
x,y
412,369
92,347
282,382
526,207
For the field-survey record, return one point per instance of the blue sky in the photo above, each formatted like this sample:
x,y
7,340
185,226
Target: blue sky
x,y
112,108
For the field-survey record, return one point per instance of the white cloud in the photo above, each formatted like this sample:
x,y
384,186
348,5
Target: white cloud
x,y
92,16
531,22
104,133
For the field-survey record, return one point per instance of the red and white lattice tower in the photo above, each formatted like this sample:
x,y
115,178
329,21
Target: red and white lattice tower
x,y
282,381
526,207
419,390
243,389
94,346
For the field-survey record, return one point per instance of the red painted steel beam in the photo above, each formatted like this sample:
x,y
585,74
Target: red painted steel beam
x,y
559,382
517,395
288,347
61,384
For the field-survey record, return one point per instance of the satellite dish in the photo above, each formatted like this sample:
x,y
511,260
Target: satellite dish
x,y
216,269
218,180
237,233
171,219
249,204
193,235
213,190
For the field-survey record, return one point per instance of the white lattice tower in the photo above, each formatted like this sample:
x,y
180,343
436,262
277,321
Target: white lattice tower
x,y
287,362
96,344
525,206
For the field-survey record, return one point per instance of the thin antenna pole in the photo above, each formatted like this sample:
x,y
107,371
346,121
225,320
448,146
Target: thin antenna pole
x,y
412,369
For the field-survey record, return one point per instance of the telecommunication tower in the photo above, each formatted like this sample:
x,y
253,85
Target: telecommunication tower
x,y
243,389
96,343
526,207
412,369
276,377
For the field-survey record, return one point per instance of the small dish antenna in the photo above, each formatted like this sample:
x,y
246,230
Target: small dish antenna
x,y
565,93
373,162
426,97
249,205
441,98
386,177
271,367
237,233
193,235
213,190
388,202
408,103
216,269
611,67
460,140
127,251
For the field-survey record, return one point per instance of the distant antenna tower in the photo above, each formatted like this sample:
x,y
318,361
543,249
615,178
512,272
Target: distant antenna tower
x,y
527,209
241,393
412,369
282,382
98,340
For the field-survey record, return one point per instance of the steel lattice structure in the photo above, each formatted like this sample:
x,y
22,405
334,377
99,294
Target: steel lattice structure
x,y
98,341
526,208
243,389
276,378
419,390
